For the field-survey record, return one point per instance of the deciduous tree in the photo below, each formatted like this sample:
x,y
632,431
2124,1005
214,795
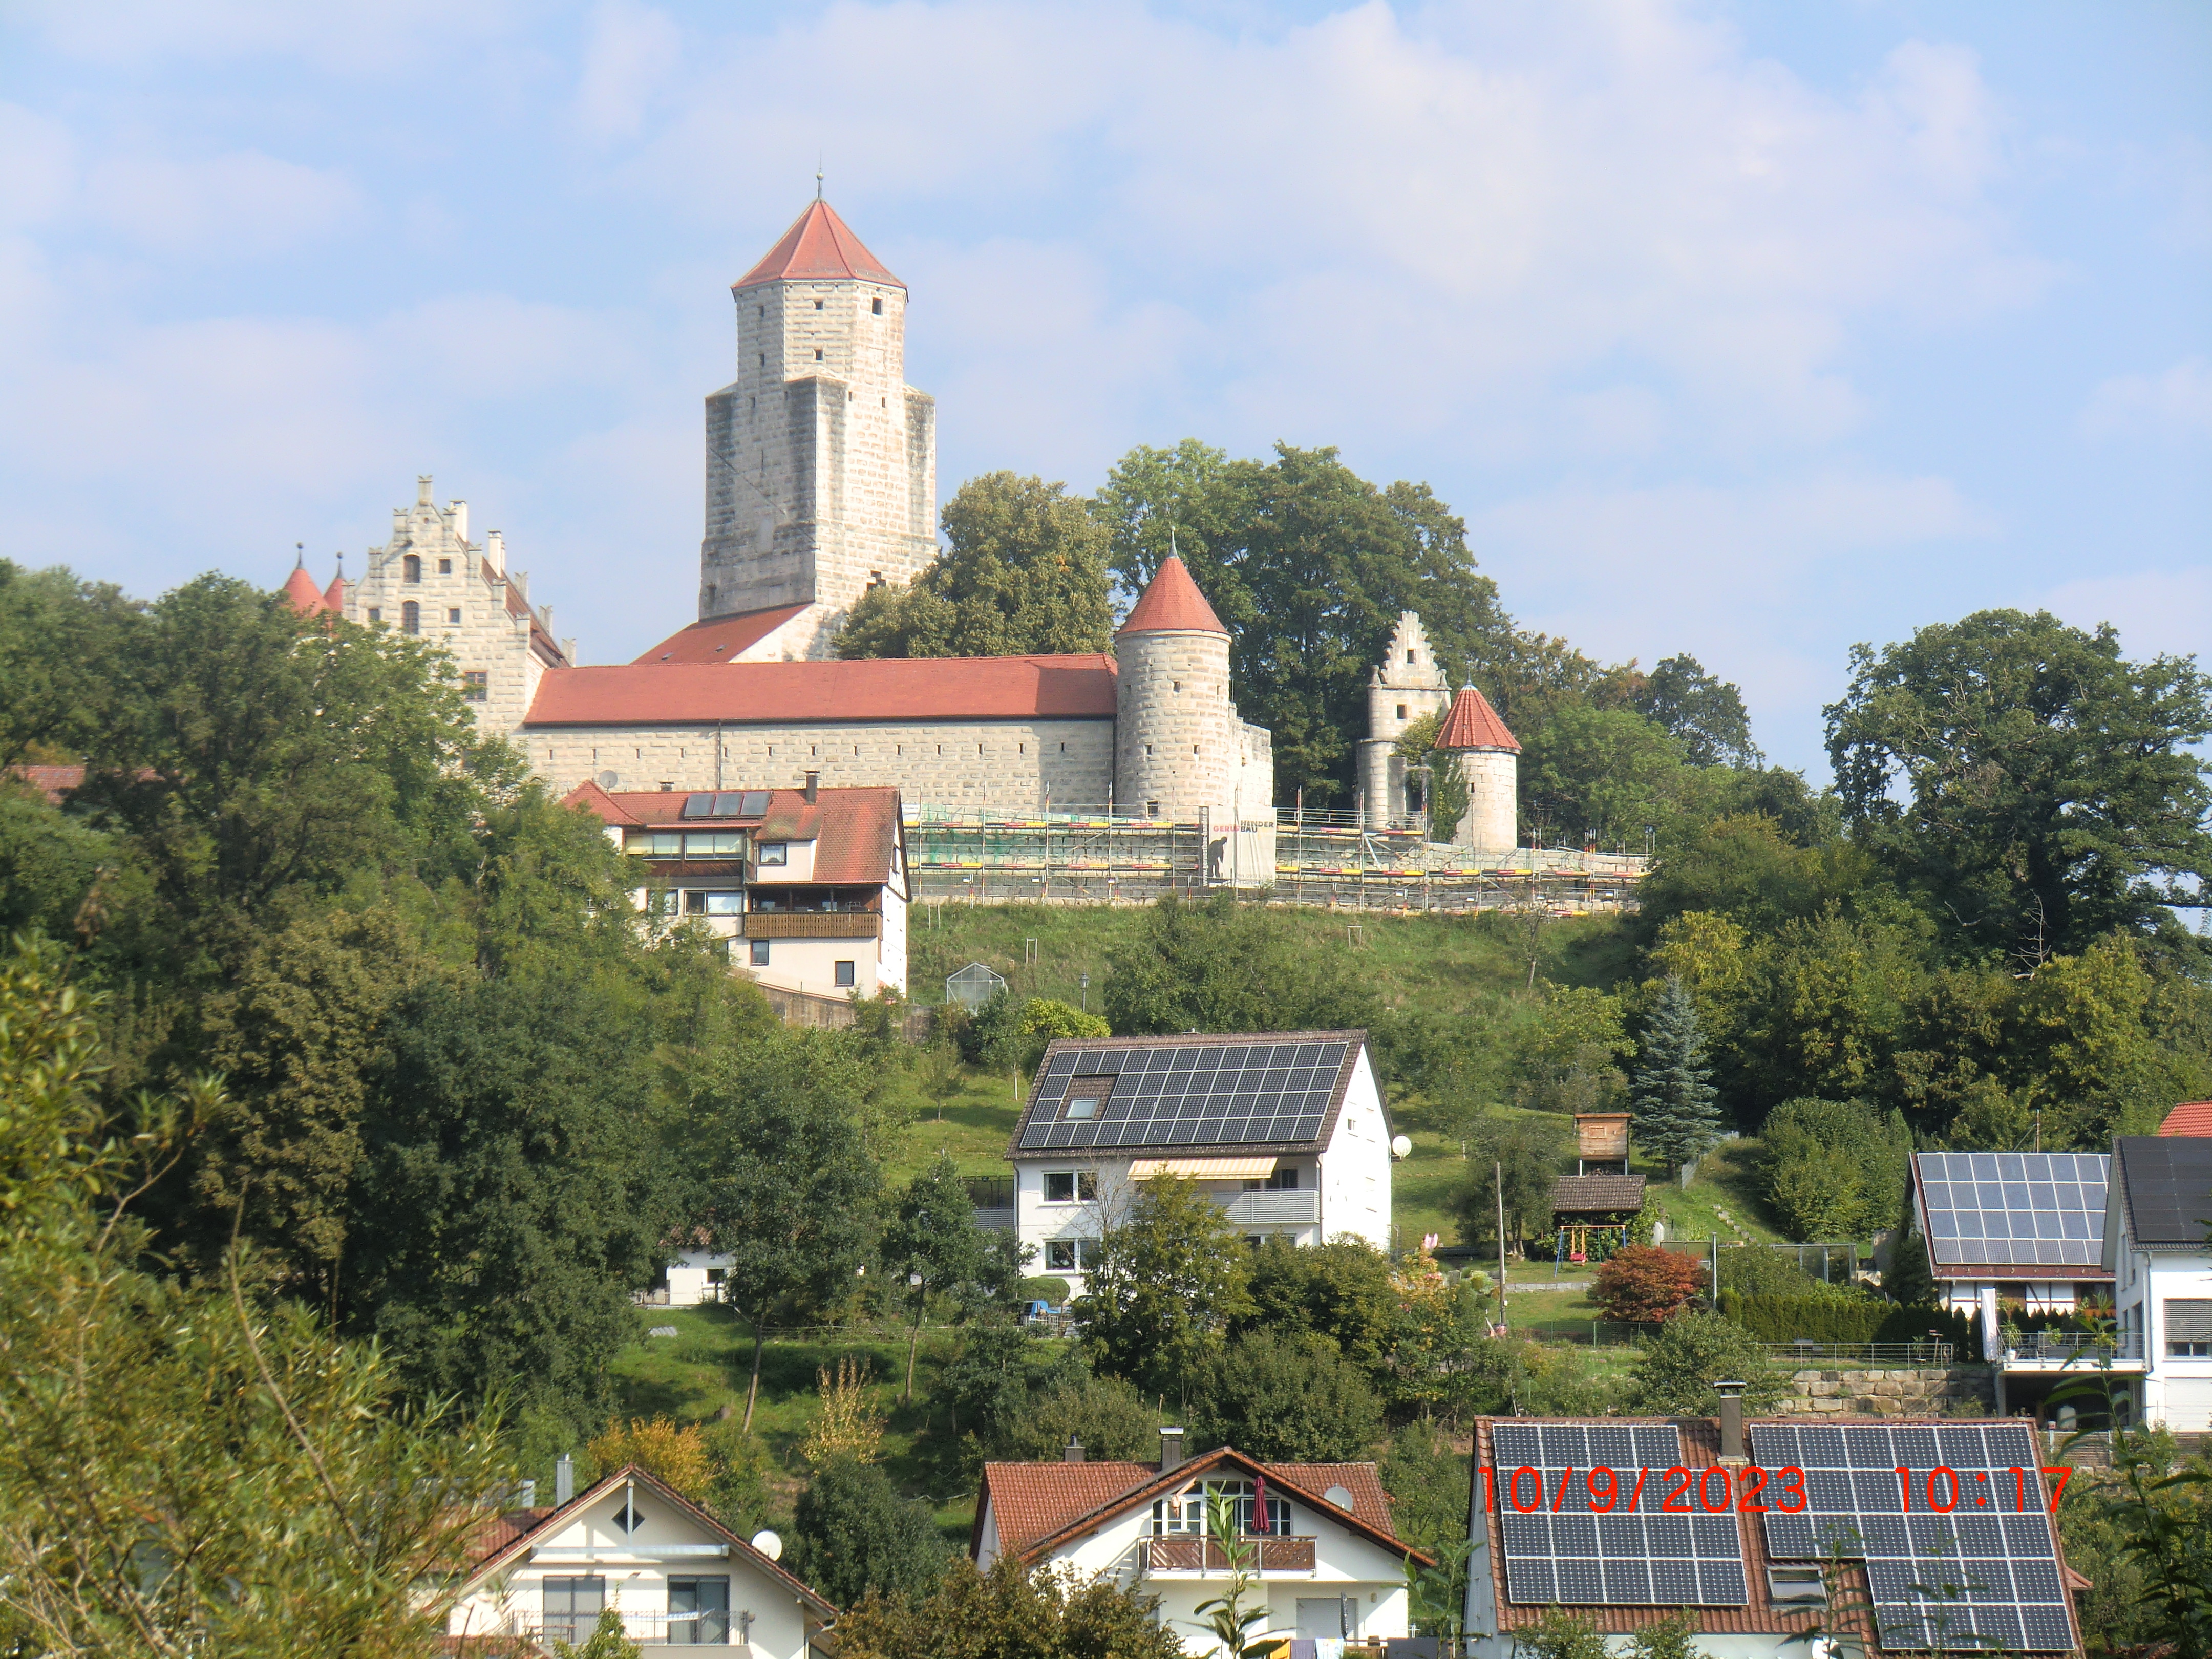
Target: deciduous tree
x,y
1169,1281
1645,1282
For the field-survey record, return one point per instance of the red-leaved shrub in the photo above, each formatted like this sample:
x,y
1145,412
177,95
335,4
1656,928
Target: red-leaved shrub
x,y
1645,1282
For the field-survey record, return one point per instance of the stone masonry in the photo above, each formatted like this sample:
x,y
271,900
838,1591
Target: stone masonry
x,y
1407,684
1929,1392
463,597
821,460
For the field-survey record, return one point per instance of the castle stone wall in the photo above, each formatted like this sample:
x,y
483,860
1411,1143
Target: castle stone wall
x,y
1178,736
1491,824
1406,685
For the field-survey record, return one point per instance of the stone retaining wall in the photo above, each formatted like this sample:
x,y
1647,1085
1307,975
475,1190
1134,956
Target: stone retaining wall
x,y
1889,1393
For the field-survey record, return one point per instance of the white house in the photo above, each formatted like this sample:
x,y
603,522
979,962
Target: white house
x,y
809,886
1287,1131
678,1576
2156,1223
2013,1226
1328,1564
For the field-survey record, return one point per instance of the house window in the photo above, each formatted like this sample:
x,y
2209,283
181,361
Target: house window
x,y
1283,1180
411,618
445,567
774,852
2188,1329
697,901
760,951
842,972
476,685
410,569
453,615
1071,1185
1186,1511
1085,1096
1071,1255
699,1611
572,1608
877,306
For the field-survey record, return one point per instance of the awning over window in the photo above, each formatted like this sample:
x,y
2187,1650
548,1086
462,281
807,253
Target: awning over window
x,y
1203,1168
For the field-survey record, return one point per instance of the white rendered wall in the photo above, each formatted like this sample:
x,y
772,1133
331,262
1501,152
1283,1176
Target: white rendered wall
x,y
1356,1166
2176,1392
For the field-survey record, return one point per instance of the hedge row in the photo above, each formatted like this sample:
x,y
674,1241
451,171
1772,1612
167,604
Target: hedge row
x,y
1832,1319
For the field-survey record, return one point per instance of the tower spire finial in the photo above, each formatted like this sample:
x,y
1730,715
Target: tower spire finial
x,y
818,177
299,555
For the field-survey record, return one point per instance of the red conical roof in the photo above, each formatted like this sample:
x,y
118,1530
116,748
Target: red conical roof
x,y
299,588
1172,604
334,595
1474,723
818,244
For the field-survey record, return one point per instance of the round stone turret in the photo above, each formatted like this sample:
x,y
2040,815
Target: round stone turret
x,y
1489,759
1176,732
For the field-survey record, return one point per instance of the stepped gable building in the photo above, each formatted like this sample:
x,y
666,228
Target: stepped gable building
x,y
821,483
1409,684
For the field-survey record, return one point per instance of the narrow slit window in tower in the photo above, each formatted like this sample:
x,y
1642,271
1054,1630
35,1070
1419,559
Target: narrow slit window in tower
x,y
817,354
817,305
877,306
1401,711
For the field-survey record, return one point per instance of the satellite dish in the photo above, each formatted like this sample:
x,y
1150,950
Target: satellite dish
x,y
771,1546
1340,1496
609,779
1401,1146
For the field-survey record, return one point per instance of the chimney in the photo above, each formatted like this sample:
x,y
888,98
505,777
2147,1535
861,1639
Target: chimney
x,y
458,511
525,1495
1731,1395
1170,1449
1073,1454
564,1479
813,787
495,551
423,490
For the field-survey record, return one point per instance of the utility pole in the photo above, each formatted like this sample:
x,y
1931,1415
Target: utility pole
x,y
1497,1176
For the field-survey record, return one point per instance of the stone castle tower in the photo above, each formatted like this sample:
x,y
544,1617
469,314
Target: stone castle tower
x,y
821,460
1407,684
1488,756
1181,751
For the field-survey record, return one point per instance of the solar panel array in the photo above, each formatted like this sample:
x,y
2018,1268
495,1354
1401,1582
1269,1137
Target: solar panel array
x,y
2044,1209
727,804
1186,1095
1633,1555
1984,1575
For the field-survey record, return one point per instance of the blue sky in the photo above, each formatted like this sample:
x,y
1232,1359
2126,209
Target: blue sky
x,y
1750,329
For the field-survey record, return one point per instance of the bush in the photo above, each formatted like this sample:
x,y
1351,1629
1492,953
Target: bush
x,y
1834,1169
1427,1483
1340,1290
1560,1634
1009,1610
852,1532
1834,1319
1692,1352
1643,1281
1289,1398
1113,1422
1763,1270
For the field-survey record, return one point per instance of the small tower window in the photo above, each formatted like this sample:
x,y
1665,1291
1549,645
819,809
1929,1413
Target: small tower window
x,y
817,305
411,618
1151,809
817,354
476,685
1401,711
453,615
410,569
877,306
375,613
763,359
445,567
1177,684
1409,659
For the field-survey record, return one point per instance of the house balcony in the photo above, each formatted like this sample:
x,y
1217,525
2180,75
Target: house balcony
x,y
813,924
1270,1208
2080,1352
1189,1556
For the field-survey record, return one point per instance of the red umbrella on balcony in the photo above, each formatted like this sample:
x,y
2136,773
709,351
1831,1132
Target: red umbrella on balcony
x,y
1260,1503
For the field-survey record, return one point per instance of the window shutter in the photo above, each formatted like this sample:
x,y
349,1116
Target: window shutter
x,y
2188,1321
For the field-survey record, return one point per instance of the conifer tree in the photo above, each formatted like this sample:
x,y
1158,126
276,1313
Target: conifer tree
x,y
1676,1119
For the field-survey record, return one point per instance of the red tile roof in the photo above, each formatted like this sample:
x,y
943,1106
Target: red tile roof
x,y
1039,1506
2191,1118
720,638
53,781
507,1535
1585,1194
1762,1615
818,244
1172,604
299,588
854,830
782,693
1474,723
334,596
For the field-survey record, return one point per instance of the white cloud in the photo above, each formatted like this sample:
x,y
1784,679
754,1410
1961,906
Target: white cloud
x,y
2176,403
631,53
236,206
351,39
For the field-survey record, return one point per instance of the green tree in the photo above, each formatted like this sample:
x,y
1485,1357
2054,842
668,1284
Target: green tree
x,y
789,1187
2031,785
852,1532
931,1238
1601,774
1444,793
1528,1151
1427,1481
1169,1281
1229,1616
1701,710
1834,1168
1568,1058
1222,966
1341,1291
1106,1414
1288,1398
1560,1634
1011,1610
1308,566
1674,1636
59,638
1675,1375
1674,1118
1023,572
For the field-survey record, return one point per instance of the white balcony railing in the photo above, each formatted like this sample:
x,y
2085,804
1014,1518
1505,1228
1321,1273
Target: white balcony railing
x,y
650,1628
1274,1209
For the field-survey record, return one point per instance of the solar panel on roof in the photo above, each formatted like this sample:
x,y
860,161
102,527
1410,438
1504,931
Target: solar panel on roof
x,y
1582,1514
2029,1209
1959,1550
1186,1094
699,806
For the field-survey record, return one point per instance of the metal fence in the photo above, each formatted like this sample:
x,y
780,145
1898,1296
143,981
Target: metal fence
x,y
1589,1333
1862,1353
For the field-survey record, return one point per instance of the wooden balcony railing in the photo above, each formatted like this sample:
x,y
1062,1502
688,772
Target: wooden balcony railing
x,y
1195,1554
813,924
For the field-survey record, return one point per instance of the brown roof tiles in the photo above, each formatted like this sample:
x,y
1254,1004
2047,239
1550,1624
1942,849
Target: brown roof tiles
x,y
818,244
877,691
1172,604
1474,723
